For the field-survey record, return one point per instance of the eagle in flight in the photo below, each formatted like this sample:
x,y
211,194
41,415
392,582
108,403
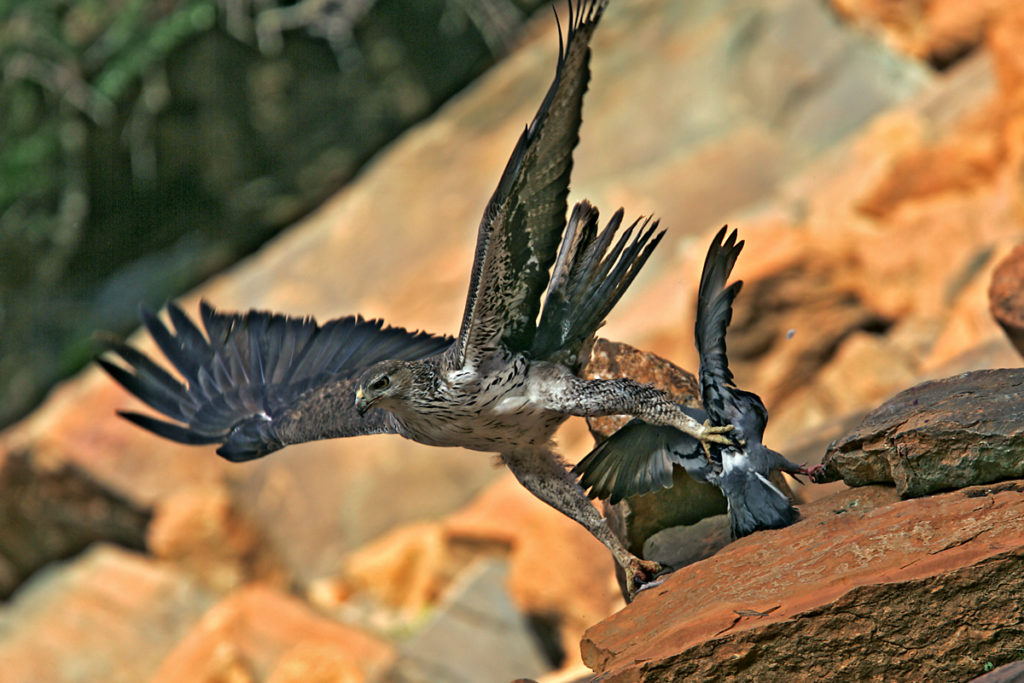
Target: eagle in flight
x,y
257,382
639,458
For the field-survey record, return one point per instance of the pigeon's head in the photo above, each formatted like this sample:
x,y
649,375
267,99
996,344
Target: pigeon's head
x,y
384,384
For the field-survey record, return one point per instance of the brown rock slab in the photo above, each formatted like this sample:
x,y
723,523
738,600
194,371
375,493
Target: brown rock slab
x,y
950,433
259,633
1006,296
109,615
610,359
678,546
865,587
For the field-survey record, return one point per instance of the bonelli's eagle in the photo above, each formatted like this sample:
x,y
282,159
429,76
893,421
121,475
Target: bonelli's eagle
x,y
256,382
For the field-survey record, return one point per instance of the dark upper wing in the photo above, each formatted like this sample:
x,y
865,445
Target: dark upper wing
x,y
724,403
257,381
525,217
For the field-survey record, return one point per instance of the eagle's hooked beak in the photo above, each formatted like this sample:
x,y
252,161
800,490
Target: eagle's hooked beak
x,y
362,405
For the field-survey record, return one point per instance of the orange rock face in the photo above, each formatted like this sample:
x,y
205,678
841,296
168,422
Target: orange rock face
x,y
865,587
261,634
938,30
109,615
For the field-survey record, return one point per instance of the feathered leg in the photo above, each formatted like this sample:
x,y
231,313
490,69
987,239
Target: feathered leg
x,y
544,476
623,396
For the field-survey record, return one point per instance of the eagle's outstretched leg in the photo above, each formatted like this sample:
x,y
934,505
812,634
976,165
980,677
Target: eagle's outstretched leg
x,y
623,396
541,472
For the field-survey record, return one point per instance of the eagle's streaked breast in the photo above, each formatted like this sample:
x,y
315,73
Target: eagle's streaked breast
x,y
505,410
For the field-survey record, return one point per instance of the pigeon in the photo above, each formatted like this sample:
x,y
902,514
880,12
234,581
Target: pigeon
x,y
639,457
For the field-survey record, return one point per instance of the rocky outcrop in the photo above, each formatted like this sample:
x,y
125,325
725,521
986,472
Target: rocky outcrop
x,y
610,359
904,225
940,435
865,587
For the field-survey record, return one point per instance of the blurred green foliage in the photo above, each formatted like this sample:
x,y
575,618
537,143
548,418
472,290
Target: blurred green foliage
x,y
145,144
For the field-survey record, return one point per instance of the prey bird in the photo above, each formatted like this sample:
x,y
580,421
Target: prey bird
x,y
639,457
257,382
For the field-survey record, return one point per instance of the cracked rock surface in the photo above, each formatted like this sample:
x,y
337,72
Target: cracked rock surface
x,y
866,587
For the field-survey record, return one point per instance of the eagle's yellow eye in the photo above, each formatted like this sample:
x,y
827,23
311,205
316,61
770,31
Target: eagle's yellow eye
x,y
380,384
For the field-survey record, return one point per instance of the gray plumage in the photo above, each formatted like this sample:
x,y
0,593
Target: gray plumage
x,y
258,382
639,458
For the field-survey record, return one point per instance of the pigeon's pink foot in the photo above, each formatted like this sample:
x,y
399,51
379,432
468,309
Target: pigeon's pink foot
x,y
815,474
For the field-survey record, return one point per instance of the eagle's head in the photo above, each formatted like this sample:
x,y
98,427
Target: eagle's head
x,y
384,384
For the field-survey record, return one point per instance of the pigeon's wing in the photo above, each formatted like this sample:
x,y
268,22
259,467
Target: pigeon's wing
x,y
524,220
256,382
638,459
724,403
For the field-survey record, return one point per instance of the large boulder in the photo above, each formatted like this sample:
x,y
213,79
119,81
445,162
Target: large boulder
x,y
946,434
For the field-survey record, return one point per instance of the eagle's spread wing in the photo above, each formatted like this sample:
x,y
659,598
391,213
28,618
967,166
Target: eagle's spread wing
x,y
525,217
258,381
723,401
